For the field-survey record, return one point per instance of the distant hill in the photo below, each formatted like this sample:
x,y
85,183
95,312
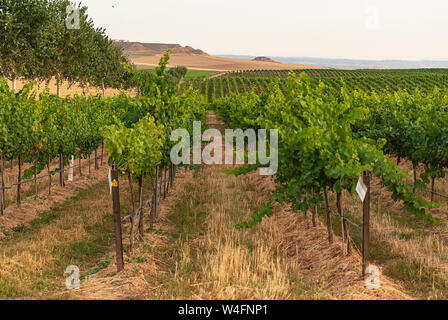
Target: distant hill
x,y
350,63
153,49
263,59
147,55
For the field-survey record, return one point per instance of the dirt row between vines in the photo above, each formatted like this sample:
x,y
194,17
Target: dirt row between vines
x,y
194,251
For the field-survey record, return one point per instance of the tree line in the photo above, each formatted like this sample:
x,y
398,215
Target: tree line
x,y
46,39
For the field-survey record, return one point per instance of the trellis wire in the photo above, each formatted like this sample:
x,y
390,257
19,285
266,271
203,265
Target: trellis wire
x,y
40,177
355,225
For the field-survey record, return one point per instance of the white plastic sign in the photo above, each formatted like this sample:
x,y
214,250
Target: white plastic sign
x,y
361,189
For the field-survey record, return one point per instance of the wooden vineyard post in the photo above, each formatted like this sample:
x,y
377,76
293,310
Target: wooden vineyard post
x,y
366,224
327,208
156,192
313,212
96,159
131,199
140,198
167,180
169,175
415,178
49,175
2,203
153,198
160,187
117,218
432,188
79,164
61,169
305,199
35,178
89,163
19,183
102,151
164,183
345,233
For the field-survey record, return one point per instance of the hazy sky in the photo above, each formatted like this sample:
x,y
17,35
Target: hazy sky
x,y
359,29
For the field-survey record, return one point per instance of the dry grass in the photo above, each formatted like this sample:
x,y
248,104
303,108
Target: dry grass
x,y
150,262
77,232
282,258
67,90
32,261
411,251
220,262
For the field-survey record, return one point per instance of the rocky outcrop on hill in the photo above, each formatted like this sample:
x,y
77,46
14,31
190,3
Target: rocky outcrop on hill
x,y
264,59
152,49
